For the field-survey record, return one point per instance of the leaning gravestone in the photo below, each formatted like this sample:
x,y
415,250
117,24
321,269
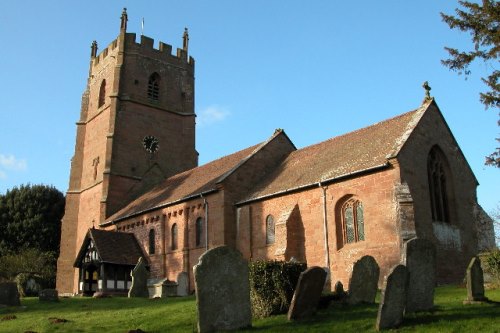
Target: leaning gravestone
x,y
182,284
364,281
475,282
48,295
222,291
419,256
140,275
9,295
393,301
306,296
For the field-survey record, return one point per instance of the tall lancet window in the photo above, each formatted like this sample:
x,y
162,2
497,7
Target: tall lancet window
x,y
439,187
102,94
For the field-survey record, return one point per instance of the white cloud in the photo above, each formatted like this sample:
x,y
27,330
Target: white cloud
x,y
10,162
212,114
3,175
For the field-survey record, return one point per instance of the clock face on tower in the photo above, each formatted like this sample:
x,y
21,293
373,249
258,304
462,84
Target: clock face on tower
x,y
151,144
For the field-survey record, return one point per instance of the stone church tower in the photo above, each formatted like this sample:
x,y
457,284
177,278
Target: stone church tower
x,y
136,127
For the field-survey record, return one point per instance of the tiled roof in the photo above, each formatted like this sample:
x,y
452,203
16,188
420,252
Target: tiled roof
x,y
193,182
113,247
358,151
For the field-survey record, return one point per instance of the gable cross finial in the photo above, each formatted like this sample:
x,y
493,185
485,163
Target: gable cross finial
x,y
427,90
124,19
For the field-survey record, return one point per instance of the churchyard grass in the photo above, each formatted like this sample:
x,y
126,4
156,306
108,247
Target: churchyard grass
x,y
179,315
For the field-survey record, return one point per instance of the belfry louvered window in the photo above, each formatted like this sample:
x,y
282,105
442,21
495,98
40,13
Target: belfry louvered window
x,y
154,87
353,222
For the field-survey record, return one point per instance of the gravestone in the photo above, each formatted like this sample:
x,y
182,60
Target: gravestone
x,y
306,296
9,295
419,257
364,281
392,305
140,275
48,295
222,291
475,283
182,284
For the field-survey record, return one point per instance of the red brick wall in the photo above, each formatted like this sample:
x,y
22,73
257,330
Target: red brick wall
x,y
382,239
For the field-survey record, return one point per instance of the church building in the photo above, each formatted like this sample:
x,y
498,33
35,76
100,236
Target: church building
x,y
136,189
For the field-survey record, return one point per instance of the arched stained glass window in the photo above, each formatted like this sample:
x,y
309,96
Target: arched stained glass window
x,y
270,229
154,87
174,237
353,224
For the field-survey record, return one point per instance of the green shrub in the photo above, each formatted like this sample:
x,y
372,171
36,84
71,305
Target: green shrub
x,y
493,265
272,284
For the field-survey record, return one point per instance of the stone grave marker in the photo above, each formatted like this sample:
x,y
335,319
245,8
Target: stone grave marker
x,y
182,284
392,305
140,275
9,295
306,296
48,295
364,281
419,257
222,290
475,283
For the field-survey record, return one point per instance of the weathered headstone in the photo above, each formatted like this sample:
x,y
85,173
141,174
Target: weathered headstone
x,y
475,282
182,284
364,281
9,295
393,301
140,275
222,291
48,295
419,257
306,296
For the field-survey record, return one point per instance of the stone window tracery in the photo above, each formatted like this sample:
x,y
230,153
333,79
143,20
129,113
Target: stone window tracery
x,y
353,222
270,229
438,185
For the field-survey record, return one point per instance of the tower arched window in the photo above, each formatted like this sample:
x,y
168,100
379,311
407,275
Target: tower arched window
x,y
439,187
350,221
152,241
270,229
102,94
174,237
154,87
199,231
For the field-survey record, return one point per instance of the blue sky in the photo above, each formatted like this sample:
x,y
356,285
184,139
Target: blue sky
x,y
314,68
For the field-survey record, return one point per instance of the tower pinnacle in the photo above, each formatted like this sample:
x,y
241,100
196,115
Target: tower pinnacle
x,y
185,40
124,19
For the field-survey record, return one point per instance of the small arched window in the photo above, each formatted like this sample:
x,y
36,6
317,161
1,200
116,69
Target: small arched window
x,y
270,229
173,237
438,185
102,94
350,221
154,87
199,231
152,241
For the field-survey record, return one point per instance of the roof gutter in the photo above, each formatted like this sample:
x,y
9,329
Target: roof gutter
x,y
147,210
315,184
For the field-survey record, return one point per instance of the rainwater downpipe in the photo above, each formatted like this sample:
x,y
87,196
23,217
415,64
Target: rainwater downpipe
x,y
325,228
205,204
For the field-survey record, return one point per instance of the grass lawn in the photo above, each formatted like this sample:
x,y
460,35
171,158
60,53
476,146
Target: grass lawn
x,y
179,315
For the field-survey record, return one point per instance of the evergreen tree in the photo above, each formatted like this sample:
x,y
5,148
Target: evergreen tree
x,y
30,218
482,21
